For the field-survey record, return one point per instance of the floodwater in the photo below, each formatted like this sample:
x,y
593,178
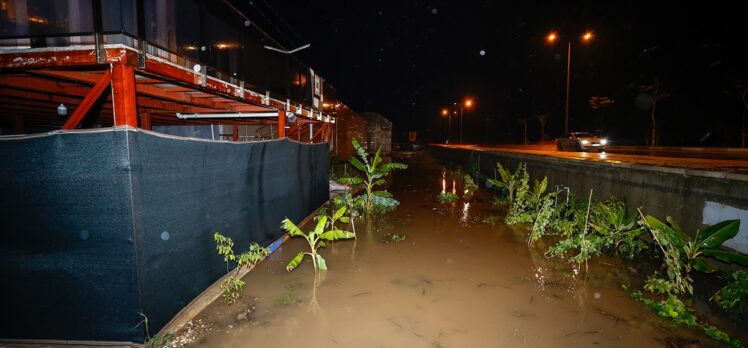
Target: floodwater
x,y
459,279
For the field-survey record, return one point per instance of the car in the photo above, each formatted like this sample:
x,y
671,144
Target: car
x,y
581,141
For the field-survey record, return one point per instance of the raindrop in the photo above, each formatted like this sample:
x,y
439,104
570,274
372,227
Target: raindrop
x,y
165,235
557,56
203,48
85,235
380,12
434,11
247,23
482,52
597,295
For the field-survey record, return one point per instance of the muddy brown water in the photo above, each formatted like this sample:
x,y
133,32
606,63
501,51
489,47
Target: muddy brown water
x,y
455,281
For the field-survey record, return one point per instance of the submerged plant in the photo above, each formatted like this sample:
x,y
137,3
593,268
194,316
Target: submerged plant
x,y
683,253
375,172
232,286
735,294
511,181
619,230
447,197
674,309
316,239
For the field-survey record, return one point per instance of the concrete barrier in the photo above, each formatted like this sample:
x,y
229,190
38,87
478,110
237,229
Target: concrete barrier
x,y
695,198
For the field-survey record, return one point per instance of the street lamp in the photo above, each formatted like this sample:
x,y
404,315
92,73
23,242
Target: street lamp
x,y
551,38
446,112
468,103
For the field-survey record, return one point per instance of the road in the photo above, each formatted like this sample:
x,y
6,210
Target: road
x,y
709,159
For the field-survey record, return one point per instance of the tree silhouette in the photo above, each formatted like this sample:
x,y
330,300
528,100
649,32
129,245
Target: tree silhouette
x,y
655,90
598,105
541,119
523,121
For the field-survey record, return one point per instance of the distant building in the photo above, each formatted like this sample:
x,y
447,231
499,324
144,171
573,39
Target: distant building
x,y
378,132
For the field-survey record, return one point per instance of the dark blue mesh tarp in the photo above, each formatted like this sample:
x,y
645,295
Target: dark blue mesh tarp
x,y
96,227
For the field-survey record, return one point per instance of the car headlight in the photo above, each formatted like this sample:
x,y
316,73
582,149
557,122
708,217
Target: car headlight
x,y
603,141
585,142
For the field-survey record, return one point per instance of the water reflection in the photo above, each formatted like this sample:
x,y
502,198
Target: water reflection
x,y
465,213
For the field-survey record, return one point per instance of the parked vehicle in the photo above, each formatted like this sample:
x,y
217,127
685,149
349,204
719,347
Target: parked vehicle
x,y
581,141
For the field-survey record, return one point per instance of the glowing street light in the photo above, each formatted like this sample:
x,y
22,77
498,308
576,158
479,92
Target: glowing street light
x,y
446,112
551,39
468,104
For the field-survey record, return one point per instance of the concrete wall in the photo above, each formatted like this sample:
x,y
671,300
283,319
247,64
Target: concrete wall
x,y
695,198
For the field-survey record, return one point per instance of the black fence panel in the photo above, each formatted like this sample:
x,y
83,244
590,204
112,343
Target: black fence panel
x,y
98,227
67,258
185,190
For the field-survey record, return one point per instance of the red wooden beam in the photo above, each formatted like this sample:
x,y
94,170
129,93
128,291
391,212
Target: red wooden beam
x,y
145,121
318,132
281,124
235,132
123,95
88,101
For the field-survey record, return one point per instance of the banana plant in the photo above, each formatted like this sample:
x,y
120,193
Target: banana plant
x,y
375,172
316,239
618,229
510,181
704,243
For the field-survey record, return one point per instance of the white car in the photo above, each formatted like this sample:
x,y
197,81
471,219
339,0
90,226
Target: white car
x,y
581,141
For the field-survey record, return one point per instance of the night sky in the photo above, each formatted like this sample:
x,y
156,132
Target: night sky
x,y
409,59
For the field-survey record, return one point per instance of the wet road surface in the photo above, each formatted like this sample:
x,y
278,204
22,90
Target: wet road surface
x,y
719,160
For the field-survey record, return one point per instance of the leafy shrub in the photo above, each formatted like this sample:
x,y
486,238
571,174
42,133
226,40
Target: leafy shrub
x,y
735,294
232,286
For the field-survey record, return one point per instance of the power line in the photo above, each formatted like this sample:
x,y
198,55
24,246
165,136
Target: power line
x,y
283,20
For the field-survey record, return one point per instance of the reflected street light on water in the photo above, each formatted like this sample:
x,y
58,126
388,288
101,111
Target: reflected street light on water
x,y
552,38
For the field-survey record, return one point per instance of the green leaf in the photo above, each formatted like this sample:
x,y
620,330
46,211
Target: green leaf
x,y
702,266
351,180
727,256
320,225
384,201
291,228
377,159
378,182
321,264
678,232
338,214
295,262
495,183
713,236
392,166
337,234
356,163
345,219
322,244
383,194
674,236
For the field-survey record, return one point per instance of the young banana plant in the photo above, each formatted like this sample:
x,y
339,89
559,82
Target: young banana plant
x,y
375,172
316,239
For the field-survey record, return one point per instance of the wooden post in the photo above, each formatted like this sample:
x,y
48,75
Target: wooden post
x,y
88,101
145,121
235,132
281,124
123,95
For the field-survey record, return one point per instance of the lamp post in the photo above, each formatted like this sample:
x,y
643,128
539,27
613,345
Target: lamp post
x,y
551,38
468,103
446,112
